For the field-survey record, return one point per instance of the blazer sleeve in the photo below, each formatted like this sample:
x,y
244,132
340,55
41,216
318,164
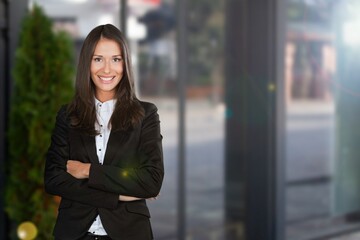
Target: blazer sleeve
x,y
144,180
59,182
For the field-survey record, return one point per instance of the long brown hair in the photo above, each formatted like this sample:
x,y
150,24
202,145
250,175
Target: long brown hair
x,y
128,111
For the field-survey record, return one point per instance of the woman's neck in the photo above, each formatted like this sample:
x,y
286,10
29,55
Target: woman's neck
x,y
104,97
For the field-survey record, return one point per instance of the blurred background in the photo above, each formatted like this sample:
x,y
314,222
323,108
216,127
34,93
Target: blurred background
x,y
259,104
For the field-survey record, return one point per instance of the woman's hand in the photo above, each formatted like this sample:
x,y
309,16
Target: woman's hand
x,y
78,169
130,198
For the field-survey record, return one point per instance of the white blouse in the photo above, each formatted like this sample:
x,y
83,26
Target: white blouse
x,y
103,111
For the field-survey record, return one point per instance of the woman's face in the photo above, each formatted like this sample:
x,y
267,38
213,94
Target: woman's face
x,y
106,68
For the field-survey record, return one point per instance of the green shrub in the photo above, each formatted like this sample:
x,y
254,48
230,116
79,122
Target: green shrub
x,y
43,80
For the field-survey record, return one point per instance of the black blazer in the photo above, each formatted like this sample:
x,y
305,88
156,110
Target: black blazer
x,y
133,166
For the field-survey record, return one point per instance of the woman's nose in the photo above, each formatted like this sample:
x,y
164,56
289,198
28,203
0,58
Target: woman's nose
x,y
107,67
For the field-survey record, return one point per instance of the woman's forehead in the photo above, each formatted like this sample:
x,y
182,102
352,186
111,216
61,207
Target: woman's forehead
x,y
107,47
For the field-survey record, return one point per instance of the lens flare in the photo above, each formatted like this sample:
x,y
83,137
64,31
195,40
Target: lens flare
x,y
27,231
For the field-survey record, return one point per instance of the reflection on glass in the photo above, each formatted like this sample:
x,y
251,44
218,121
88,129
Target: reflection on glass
x,y
347,178
322,156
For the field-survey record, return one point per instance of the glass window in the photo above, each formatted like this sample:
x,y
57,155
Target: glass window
x,y
205,119
322,100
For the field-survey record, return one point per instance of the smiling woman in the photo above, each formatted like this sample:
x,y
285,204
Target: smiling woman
x,y
105,157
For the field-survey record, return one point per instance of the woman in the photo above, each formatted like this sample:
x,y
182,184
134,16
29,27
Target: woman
x,y
105,157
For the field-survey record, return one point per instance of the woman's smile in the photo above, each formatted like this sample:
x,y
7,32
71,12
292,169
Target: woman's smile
x,y
106,80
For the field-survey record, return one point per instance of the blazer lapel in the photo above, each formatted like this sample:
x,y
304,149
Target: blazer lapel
x,y
90,146
116,140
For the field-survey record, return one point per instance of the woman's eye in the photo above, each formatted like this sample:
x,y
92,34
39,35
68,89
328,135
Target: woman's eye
x,y
97,59
117,59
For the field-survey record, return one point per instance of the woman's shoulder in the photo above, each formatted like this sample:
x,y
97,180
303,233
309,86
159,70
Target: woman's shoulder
x,y
149,107
63,112
150,113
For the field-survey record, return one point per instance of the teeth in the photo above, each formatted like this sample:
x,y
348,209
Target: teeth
x,y
106,78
